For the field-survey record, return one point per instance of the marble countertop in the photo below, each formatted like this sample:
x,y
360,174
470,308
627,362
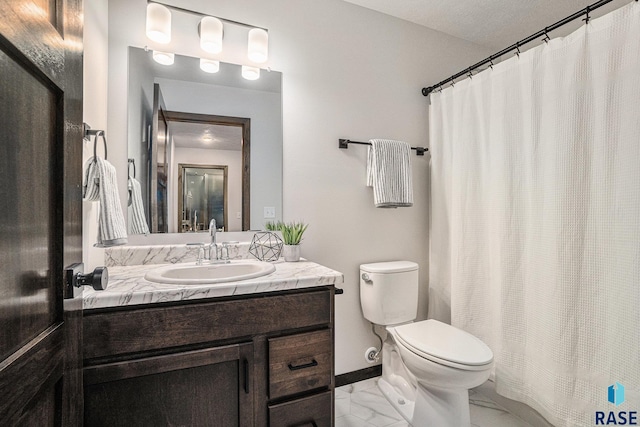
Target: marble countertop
x,y
127,285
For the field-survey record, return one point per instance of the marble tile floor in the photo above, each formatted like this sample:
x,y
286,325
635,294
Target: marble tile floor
x,y
363,405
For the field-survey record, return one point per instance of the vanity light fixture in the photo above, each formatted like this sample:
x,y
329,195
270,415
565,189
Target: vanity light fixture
x,y
250,73
209,65
158,23
164,58
210,30
258,47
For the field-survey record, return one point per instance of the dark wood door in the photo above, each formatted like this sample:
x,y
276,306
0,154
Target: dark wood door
x,y
40,211
159,167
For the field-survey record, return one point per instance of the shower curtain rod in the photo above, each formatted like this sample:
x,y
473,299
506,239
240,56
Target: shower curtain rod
x,y
545,32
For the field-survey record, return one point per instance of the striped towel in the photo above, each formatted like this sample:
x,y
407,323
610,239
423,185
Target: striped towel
x,y
137,219
389,173
100,184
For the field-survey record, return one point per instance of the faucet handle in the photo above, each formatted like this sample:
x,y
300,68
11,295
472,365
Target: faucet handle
x,y
200,256
225,249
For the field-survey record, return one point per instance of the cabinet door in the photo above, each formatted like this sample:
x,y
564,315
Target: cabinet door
x,y
209,387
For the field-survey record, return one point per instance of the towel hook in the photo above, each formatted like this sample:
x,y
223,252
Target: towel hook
x,y
131,162
95,145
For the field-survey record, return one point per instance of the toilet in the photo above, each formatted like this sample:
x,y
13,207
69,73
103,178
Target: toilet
x,y
428,367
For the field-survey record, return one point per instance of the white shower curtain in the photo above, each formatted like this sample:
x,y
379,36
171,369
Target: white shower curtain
x,y
535,221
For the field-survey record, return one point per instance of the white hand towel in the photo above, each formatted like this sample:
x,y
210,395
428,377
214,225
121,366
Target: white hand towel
x,y
389,173
100,184
138,221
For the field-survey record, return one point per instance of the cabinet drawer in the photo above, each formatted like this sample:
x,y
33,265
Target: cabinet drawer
x,y
137,329
309,411
299,363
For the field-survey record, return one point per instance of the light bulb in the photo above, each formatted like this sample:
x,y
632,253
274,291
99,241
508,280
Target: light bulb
x,y
211,34
258,49
164,58
250,73
209,65
158,23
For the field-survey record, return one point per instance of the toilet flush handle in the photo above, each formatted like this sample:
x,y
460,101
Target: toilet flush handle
x,y
367,279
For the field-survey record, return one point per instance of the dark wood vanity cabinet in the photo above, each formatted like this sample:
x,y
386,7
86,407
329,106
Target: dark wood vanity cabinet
x,y
257,360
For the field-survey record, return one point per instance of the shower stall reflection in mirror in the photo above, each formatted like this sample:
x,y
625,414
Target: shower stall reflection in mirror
x,y
202,196
210,165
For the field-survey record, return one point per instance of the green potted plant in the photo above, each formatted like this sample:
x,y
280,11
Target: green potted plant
x,y
292,236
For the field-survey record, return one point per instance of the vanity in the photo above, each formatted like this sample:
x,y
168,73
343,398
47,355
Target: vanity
x,y
257,352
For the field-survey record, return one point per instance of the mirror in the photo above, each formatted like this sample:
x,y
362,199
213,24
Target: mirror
x,y
183,121
202,190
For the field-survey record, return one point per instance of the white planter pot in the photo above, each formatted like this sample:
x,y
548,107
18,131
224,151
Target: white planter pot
x,y
291,253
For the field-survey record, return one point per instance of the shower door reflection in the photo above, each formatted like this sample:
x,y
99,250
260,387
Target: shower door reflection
x,y
202,196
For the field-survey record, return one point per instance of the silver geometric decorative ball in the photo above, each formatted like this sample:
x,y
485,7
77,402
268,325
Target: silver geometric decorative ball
x,y
266,246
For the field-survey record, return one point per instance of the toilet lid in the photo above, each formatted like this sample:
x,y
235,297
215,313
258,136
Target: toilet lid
x,y
433,339
389,267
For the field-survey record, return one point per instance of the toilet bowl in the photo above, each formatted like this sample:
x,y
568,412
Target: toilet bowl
x,y
427,366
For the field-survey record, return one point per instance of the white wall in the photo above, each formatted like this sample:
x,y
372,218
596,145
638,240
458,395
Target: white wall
x,y
140,115
348,72
94,108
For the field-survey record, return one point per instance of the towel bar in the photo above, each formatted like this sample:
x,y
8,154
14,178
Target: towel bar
x,y
344,143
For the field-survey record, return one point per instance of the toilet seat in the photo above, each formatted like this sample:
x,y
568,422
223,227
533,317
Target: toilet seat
x,y
444,344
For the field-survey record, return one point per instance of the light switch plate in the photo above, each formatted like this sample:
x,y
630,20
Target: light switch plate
x,y
269,212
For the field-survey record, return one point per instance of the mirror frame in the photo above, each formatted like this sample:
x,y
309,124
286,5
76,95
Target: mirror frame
x,y
245,123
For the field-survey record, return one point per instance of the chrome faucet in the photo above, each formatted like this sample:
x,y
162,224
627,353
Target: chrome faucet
x,y
213,246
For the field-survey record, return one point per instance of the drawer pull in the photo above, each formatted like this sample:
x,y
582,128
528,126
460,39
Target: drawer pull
x,y
311,364
306,423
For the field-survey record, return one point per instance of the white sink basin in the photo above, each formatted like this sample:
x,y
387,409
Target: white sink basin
x,y
190,274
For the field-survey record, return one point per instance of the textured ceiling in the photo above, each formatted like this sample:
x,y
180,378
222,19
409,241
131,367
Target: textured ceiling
x,y
196,135
495,24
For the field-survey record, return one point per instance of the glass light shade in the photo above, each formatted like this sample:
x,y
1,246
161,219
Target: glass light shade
x,y
158,23
209,65
258,45
250,73
211,34
164,58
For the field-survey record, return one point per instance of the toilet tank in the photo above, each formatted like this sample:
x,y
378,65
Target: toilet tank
x,y
389,292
